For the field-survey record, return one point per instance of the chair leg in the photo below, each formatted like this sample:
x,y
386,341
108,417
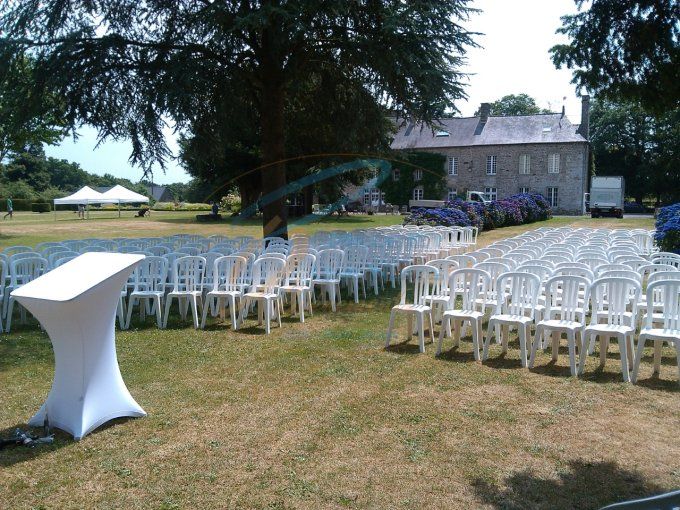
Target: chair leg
x,y
209,305
159,312
658,344
301,305
534,345
555,335
523,334
431,327
194,310
490,327
604,347
232,310
131,305
10,309
420,324
389,329
623,346
642,340
267,315
571,340
168,302
442,333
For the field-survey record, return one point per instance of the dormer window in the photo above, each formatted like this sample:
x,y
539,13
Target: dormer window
x,y
441,133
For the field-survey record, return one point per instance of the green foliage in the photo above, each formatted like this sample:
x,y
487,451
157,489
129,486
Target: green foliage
x,y
192,61
18,204
184,206
624,50
231,202
42,207
627,140
399,191
18,189
30,115
515,104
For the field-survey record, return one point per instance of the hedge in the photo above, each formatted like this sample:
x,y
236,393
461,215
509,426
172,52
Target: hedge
x,y
184,206
667,234
41,207
18,204
513,210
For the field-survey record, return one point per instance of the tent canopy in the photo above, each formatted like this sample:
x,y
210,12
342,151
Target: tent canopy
x,y
122,195
84,195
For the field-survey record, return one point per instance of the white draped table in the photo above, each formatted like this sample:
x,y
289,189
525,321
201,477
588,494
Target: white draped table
x,y
76,304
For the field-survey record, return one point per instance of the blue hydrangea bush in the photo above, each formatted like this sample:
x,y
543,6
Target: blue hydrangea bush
x,y
513,210
667,234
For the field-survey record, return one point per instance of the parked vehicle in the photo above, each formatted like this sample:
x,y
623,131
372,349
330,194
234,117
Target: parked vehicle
x,y
606,196
477,196
634,208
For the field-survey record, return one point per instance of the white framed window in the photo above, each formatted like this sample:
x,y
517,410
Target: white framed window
x,y
418,174
396,174
451,195
418,193
553,163
367,196
525,164
452,165
552,197
491,193
375,195
491,165
524,189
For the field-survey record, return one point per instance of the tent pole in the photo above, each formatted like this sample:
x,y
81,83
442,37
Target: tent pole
x,y
119,208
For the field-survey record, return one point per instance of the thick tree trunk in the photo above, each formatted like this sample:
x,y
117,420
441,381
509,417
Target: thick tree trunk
x,y
274,212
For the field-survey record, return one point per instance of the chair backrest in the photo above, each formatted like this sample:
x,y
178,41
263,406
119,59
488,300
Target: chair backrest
x,y
479,256
11,250
473,285
463,260
55,257
517,293
518,258
230,273
299,269
329,264
663,275
445,268
210,258
667,293
541,271
613,295
267,272
423,278
556,258
151,274
188,274
159,250
648,270
492,252
662,257
593,262
539,262
24,255
574,270
495,269
622,273
189,250
355,259
26,270
610,267
568,295
633,262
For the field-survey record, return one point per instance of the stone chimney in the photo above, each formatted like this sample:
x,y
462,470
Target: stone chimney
x,y
484,112
584,128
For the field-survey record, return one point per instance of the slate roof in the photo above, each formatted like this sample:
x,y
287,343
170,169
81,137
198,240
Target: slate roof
x,y
520,129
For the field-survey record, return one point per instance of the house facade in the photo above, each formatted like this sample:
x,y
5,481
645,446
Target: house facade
x,y
502,156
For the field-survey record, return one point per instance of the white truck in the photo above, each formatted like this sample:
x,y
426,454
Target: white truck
x,y
477,196
606,196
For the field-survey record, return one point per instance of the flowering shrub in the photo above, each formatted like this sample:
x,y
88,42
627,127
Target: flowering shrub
x,y
513,210
667,235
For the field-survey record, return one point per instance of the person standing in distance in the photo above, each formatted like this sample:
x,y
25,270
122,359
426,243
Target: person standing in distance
x,y
10,209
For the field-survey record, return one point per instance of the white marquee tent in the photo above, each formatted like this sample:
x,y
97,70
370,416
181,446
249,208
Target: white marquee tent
x,y
116,195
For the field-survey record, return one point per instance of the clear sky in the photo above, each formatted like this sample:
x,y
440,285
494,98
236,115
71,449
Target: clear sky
x,y
513,59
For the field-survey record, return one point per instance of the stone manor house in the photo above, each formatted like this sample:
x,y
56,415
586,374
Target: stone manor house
x,y
502,156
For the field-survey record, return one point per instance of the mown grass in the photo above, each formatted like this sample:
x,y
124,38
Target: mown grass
x,y
320,415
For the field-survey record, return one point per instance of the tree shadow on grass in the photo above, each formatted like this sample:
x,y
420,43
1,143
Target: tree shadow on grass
x,y
581,485
405,347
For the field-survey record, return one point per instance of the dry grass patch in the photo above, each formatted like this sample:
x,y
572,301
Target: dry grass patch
x,y
319,415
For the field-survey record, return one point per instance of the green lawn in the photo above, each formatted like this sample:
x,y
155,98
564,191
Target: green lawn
x,y
320,415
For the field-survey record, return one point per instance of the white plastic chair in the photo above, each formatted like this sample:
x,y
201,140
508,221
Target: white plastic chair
x,y
353,269
516,309
464,261
422,277
472,309
299,271
610,297
267,275
328,268
439,298
667,292
22,271
187,284
149,285
229,276
662,257
565,313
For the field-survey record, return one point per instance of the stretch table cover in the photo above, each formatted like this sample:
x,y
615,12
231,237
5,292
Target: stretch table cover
x,y
76,304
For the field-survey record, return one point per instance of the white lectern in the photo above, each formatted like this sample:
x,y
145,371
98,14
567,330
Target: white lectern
x,y
76,304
